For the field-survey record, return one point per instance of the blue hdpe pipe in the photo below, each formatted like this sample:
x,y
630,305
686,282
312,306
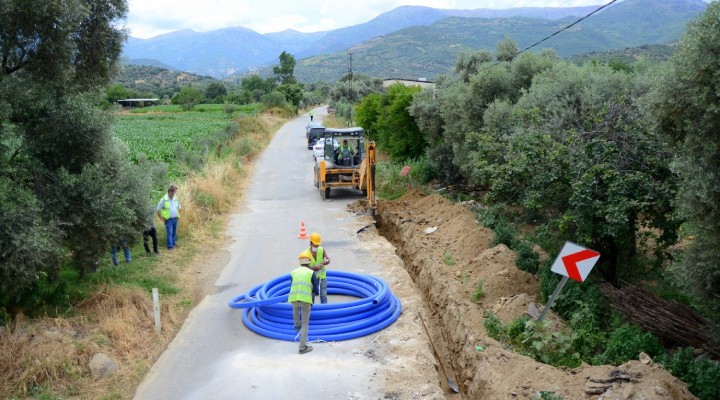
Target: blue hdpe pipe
x,y
267,312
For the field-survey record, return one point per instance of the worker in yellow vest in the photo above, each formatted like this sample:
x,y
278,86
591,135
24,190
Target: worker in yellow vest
x,y
319,259
301,299
168,209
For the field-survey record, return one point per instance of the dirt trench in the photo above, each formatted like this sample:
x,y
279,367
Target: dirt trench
x,y
447,253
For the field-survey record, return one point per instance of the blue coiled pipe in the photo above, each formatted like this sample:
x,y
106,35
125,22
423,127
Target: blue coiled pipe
x,y
267,312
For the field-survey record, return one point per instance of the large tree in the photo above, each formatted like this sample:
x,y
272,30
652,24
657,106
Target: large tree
x,y
65,188
284,72
688,112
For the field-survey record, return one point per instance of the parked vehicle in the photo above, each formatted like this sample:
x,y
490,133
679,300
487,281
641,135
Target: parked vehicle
x,y
313,132
319,148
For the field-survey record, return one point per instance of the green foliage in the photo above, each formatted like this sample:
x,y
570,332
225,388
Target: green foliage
x,y
701,374
256,87
368,112
493,327
117,92
574,296
188,98
28,243
390,123
626,342
547,395
535,340
102,203
468,64
448,259
428,51
215,92
479,292
353,88
274,99
527,259
62,177
506,50
155,136
284,71
397,132
292,91
390,185
686,110
151,81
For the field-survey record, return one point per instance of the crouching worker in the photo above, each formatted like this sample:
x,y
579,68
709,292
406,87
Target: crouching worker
x,y
301,298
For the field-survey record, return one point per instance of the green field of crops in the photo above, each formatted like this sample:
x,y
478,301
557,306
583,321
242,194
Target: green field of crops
x,y
159,133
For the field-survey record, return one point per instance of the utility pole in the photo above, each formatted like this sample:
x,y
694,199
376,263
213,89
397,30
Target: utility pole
x,y
351,79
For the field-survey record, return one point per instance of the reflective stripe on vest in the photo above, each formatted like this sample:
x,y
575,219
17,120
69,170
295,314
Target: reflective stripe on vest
x,y
165,211
301,287
322,274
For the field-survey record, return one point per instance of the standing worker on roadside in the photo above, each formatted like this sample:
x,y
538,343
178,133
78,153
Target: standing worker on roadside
x,y
301,299
319,259
168,209
311,115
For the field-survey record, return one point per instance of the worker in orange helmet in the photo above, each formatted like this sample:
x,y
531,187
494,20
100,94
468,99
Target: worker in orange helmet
x,y
317,263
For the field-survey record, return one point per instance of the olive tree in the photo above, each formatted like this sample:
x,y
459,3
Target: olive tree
x,y
688,113
58,160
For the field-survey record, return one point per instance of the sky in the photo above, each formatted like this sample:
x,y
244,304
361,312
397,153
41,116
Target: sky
x,y
148,18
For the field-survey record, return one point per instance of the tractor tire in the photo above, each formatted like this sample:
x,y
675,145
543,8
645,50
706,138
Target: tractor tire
x,y
325,194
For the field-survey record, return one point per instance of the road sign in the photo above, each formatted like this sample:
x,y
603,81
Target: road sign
x,y
575,261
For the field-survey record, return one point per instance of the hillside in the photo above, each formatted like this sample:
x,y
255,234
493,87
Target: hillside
x,y
426,51
157,80
628,55
239,50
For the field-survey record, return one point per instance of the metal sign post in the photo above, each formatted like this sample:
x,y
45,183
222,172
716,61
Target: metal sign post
x,y
156,308
552,298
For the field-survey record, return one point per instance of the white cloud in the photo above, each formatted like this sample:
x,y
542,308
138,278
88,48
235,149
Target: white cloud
x,y
149,18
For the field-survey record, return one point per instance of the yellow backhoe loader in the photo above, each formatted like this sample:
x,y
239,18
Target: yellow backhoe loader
x,y
348,162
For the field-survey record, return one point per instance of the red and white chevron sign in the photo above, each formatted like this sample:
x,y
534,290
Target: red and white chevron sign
x,y
575,261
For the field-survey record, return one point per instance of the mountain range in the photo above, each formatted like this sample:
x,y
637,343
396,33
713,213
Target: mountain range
x,y
412,41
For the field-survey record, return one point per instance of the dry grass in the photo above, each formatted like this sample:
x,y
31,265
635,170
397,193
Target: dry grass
x,y
332,121
50,356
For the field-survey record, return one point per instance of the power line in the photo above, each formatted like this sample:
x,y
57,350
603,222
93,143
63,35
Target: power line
x,y
553,34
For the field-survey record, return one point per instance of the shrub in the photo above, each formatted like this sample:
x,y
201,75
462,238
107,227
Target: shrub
x,y
494,327
527,259
626,342
535,340
479,292
702,375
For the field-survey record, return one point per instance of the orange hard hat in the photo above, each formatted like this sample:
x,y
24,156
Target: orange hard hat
x,y
315,238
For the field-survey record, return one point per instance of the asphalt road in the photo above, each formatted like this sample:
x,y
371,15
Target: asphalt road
x,y
214,356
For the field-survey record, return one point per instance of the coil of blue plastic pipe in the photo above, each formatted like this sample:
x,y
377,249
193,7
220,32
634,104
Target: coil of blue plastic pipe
x,y
267,312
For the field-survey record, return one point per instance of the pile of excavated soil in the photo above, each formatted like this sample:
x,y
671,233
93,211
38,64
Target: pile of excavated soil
x,y
446,252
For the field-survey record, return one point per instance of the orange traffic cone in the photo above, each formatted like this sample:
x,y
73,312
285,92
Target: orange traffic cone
x,y
303,233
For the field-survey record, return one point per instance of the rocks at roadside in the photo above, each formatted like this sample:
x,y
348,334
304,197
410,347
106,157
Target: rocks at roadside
x,y
102,366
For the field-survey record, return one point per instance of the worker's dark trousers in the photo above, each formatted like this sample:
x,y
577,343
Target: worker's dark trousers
x,y
147,234
316,285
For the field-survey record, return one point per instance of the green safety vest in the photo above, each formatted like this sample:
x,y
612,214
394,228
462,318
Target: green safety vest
x,y
301,287
322,274
342,148
165,211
